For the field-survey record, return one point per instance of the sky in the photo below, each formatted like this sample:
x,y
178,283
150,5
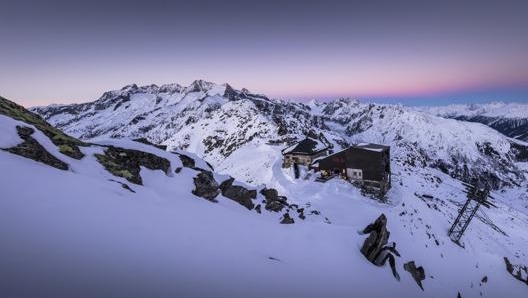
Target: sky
x,y
411,52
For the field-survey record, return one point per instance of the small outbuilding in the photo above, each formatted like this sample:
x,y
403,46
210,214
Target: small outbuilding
x,y
365,164
304,152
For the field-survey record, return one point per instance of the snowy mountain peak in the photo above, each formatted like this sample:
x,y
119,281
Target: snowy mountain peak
x,y
129,87
200,85
170,88
511,119
218,123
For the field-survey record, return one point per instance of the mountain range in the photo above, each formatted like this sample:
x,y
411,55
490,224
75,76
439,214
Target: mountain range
x,y
508,118
219,124
167,191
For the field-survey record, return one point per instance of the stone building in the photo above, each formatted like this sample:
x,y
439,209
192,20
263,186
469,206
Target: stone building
x,y
303,152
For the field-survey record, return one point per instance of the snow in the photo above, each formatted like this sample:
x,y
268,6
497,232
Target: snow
x,y
163,240
76,234
495,109
370,147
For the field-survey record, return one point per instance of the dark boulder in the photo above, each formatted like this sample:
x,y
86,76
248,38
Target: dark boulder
x,y
375,247
32,149
237,193
187,161
301,213
274,202
377,239
126,163
286,219
206,186
417,273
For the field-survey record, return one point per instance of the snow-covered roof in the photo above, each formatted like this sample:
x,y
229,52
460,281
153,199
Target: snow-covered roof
x,y
372,147
307,146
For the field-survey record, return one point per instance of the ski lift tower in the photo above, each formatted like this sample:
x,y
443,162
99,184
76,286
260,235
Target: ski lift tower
x,y
475,198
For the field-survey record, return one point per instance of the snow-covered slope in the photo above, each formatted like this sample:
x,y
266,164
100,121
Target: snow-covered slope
x,y
80,233
215,121
511,119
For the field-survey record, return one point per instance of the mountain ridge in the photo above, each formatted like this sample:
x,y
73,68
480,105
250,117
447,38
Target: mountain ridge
x,y
213,121
510,119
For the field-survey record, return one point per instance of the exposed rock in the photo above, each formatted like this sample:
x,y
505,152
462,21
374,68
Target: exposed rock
x,y
377,238
31,149
237,193
417,273
123,185
517,271
274,202
209,165
206,186
375,247
24,131
177,170
258,209
187,161
301,213
66,144
126,163
147,142
286,219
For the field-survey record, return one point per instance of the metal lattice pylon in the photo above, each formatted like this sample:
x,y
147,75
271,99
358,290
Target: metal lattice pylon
x,y
476,198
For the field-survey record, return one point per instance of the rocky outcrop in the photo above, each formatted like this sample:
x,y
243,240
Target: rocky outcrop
x,y
126,163
417,273
32,149
238,193
377,239
187,161
206,186
375,247
147,142
519,272
274,202
67,145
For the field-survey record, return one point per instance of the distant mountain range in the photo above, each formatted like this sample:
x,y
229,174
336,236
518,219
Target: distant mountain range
x,y
214,121
511,119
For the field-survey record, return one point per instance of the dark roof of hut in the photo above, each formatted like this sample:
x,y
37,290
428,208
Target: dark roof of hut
x,y
307,146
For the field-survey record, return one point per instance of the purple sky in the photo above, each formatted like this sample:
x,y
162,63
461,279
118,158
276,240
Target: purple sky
x,y
419,52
